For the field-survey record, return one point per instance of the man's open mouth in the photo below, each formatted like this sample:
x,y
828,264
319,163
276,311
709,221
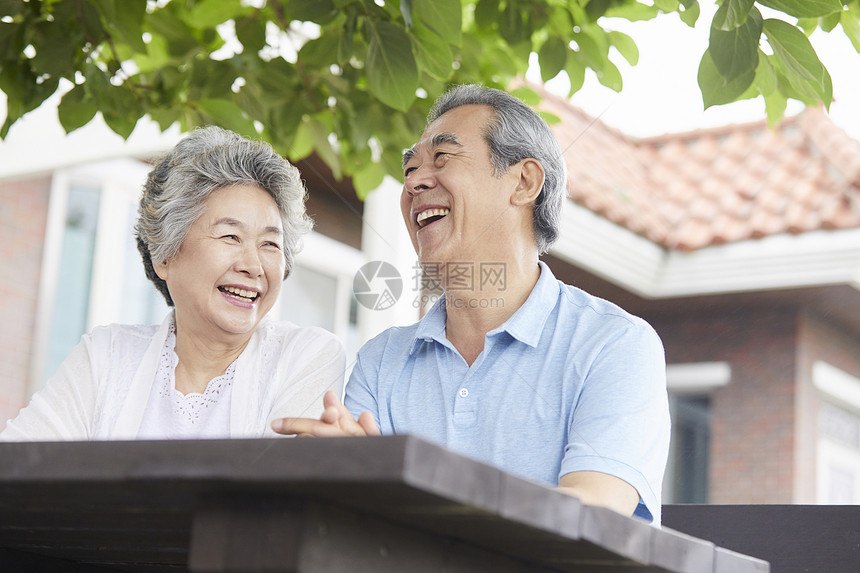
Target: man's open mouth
x,y
239,293
424,218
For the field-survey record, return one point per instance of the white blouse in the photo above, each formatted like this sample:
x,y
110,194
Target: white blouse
x,y
103,389
171,414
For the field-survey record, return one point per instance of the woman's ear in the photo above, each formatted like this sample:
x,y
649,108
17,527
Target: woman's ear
x,y
161,270
531,177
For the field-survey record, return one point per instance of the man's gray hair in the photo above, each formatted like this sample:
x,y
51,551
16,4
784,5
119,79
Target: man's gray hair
x,y
515,133
204,161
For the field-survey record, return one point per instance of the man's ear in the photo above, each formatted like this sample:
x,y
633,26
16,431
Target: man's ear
x,y
530,183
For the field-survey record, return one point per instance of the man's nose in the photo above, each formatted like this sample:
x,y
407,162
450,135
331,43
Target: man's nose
x,y
421,178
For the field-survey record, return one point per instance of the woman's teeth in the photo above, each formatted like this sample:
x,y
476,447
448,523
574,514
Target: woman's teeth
x,y
249,294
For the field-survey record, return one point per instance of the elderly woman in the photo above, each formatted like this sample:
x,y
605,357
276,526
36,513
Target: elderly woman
x,y
219,221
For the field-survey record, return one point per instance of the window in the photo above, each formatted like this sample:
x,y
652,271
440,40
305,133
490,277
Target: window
x,y
838,457
318,292
690,388
71,300
91,270
689,448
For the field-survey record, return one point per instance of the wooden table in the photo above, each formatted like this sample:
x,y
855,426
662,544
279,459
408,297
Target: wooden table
x,y
386,504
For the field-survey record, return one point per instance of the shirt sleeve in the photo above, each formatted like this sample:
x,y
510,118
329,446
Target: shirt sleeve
x,y
313,365
63,409
360,395
620,424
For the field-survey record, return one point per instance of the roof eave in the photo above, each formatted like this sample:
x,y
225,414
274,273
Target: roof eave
x,y
817,258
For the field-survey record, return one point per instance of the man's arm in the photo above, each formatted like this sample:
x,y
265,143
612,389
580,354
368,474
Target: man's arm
x,y
596,488
335,421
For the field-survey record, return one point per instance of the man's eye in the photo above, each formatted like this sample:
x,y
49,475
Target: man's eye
x,y
440,154
408,171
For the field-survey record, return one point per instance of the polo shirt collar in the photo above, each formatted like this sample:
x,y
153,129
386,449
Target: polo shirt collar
x,y
526,324
432,326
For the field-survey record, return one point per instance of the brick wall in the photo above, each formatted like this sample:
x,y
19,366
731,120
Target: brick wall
x,y
23,215
752,424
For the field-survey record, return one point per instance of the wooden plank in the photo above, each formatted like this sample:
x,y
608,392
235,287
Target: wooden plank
x,y
146,505
793,538
21,561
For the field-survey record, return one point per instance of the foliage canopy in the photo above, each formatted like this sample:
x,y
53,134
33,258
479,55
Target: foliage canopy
x,y
352,80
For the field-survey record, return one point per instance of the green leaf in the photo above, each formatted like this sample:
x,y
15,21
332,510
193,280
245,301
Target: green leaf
x,y
552,57
441,16
667,5
635,12
319,11
765,75
251,33
808,25
804,8
76,109
690,14
124,19
774,105
129,23
11,7
319,52
368,179
210,13
392,75
716,90
549,118
319,134
527,95
511,25
432,53
303,143
732,14
609,76
827,23
850,20
576,72
119,110
625,46
794,51
486,13
227,114
346,41
735,53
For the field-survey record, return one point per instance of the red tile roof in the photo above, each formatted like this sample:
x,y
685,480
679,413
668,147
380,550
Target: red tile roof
x,y
713,186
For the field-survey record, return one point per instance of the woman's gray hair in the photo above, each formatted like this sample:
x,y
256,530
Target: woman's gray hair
x,y
204,161
515,133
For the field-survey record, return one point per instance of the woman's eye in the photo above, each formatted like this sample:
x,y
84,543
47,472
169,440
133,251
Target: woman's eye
x,y
271,244
230,237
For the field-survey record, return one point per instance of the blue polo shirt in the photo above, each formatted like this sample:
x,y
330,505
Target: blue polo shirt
x,y
569,383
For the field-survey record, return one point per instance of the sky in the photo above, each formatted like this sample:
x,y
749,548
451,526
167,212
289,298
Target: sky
x,y
660,95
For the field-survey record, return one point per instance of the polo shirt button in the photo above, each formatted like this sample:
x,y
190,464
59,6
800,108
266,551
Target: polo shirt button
x,y
463,392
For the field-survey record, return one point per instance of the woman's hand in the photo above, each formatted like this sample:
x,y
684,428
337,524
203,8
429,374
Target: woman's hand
x,y
335,421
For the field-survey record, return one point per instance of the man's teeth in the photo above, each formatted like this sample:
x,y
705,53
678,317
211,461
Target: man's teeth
x,y
240,292
423,215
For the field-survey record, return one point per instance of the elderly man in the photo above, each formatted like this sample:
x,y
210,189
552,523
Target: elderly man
x,y
510,366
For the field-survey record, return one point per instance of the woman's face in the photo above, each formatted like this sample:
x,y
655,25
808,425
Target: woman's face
x,y
229,269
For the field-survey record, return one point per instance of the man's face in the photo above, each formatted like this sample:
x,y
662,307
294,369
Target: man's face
x,y
454,206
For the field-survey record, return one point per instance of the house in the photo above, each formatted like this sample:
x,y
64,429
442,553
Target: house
x,y
741,245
